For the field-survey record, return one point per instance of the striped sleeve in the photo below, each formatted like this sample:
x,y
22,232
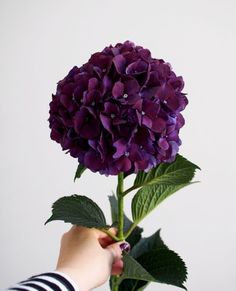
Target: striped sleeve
x,y
56,281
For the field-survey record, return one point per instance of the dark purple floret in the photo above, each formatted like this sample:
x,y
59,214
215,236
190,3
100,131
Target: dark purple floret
x,y
119,112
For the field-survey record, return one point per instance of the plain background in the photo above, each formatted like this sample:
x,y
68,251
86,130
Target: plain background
x,y
40,42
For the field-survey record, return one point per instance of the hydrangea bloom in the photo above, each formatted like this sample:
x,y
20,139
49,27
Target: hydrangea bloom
x,y
120,111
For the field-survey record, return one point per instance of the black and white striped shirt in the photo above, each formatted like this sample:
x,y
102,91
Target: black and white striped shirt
x,y
56,281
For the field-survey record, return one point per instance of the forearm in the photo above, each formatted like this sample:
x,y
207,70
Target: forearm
x,y
55,280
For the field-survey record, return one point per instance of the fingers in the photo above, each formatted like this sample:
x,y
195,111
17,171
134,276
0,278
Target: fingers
x,y
96,232
111,250
104,239
117,267
94,235
115,250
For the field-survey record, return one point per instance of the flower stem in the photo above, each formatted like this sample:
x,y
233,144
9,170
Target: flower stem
x,y
129,231
120,199
115,286
114,237
129,190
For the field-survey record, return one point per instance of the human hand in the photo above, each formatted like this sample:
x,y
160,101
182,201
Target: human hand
x,y
89,256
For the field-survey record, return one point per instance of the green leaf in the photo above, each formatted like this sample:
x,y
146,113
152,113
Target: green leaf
x,y
135,236
180,171
148,197
143,246
147,244
165,266
133,270
133,285
79,171
78,209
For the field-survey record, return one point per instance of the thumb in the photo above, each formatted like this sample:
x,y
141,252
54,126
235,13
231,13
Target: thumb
x,y
115,250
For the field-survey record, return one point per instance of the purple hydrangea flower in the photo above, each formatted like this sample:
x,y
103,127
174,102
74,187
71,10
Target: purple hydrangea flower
x,y
119,112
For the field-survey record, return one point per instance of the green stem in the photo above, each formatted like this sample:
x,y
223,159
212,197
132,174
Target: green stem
x,y
115,286
115,238
120,199
132,227
131,189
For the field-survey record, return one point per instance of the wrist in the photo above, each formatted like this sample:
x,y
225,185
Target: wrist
x,y
78,281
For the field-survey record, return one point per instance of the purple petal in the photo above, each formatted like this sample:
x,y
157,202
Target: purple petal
x,y
86,125
92,160
119,62
101,60
121,147
174,136
92,143
177,83
138,105
102,148
139,116
111,109
137,67
107,84
90,110
68,89
123,164
140,165
147,121
180,121
115,51
118,89
132,99
65,100
92,83
145,54
151,108
106,122
154,79
131,86
92,97
183,101
170,128
149,92
173,102
142,136
158,125
90,130
174,148
79,119
135,152
55,135
163,143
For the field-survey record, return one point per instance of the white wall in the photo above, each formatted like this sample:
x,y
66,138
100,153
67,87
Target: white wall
x,y
40,42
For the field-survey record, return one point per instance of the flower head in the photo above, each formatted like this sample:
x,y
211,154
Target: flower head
x,y
120,111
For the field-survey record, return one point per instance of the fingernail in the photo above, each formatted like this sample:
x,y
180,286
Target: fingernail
x,y
125,247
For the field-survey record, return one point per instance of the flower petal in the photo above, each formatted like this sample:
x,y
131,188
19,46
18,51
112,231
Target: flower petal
x,y
106,122
118,89
92,160
158,125
131,86
163,143
137,67
123,164
92,84
119,62
121,147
